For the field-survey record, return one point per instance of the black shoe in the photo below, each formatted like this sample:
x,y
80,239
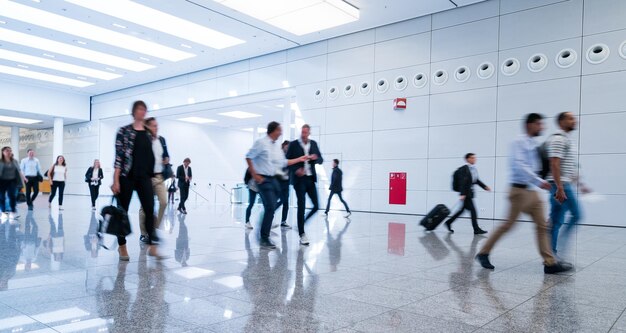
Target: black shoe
x,y
483,259
449,226
144,239
479,232
557,268
30,207
267,244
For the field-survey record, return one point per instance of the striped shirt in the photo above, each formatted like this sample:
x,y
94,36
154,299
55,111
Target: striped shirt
x,y
561,146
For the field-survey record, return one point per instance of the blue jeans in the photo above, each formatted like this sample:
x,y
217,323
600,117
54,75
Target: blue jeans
x,y
557,214
270,192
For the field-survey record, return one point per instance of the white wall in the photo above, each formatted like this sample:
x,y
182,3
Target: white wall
x,y
16,97
446,120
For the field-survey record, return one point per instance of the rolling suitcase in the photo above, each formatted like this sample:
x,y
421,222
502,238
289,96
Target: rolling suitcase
x,y
435,217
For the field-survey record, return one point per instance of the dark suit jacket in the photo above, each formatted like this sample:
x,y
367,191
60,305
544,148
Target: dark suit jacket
x,y
336,180
180,174
466,187
89,174
295,150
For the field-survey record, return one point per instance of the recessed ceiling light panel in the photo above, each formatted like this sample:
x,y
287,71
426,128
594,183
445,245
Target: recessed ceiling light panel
x,y
43,77
17,120
240,114
198,120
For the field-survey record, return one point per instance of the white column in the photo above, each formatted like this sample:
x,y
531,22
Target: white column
x,y
287,119
57,146
15,141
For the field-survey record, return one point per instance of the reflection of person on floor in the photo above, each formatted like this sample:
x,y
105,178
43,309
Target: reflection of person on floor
x,y
10,251
434,246
182,252
149,308
334,246
117,299
56,241
91,238
459,280
32,241
303,298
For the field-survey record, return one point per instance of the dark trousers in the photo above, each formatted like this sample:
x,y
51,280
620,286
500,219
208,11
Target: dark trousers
x,y
305,186
94,191
251,202
143,186
184,194
284,198
7,188
468,204
31,185
53,191
269,191
345,204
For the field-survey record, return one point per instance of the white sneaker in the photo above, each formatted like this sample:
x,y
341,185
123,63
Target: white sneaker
x,y
275,225
285,225
348,215
60,207
11,216
304,240
249,226
4,217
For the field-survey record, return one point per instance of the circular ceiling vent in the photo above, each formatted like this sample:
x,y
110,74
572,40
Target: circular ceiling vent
x,y
598,53
510,67
382,86
440,77
462,74
365,88
622,50
318,95
349,90
333,93
400,83
566,58
485,70
420,80
537,62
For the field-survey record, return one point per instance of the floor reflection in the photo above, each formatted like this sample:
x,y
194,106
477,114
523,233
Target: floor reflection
x,y
10,252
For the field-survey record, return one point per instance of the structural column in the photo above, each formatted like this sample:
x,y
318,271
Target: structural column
x,y
15,141
57,146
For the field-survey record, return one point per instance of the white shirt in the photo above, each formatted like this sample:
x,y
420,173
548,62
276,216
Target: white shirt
x,y
267,156
186,169
94,174
524,161
474,172
306,147
59,173
157,149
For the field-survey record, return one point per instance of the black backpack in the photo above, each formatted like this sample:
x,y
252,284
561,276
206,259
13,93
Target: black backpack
x,y
457,179
543,156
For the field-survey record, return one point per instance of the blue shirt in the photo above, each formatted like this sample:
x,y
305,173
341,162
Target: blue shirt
x,y
267,156
30,167
524,161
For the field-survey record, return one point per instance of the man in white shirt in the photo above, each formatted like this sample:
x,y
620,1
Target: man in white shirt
x,y
32,171
265,161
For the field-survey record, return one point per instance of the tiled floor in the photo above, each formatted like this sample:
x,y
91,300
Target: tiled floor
x,y
373,273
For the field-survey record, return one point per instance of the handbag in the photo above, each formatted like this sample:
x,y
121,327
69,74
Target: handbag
x,y
114,221
167,171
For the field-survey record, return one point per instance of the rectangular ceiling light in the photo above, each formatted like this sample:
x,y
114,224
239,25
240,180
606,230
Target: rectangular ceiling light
x,y
56,65
258,129
160,21
44,77
74,27
17,120
239,114
71,50
198,120
298,17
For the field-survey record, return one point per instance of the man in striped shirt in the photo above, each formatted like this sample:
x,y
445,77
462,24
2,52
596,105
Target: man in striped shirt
x,y
563,176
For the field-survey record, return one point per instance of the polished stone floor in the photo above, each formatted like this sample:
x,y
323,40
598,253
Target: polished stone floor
x,y
372,273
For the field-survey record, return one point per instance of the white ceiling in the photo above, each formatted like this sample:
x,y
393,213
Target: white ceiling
x,y
260,38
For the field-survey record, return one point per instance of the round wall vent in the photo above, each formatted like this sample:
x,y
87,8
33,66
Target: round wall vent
x,y
400,83
349,90
420,80
365,88
566,58
382,86
318,95
333,93
440,77
485,70
598,53
537,62
622,50
462,74
510,67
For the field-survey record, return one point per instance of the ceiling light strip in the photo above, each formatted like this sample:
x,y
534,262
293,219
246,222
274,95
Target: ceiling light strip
x,y
71,50
56,65
44,77
74,27
157,20
16,120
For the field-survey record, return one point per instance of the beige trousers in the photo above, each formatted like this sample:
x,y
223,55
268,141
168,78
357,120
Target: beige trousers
x,y
529,202
158,186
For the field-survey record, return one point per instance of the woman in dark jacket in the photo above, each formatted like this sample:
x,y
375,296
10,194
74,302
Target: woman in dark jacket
x,y
134,167
93,177
11,178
